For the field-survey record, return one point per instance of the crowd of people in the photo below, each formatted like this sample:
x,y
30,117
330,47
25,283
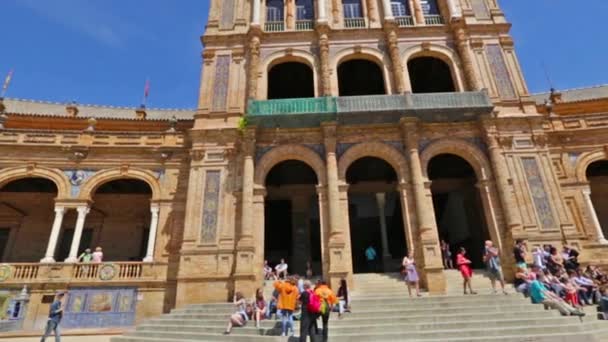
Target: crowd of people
x,y
293,298
556,279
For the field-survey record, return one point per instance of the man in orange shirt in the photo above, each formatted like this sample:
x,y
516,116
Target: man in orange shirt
x,y
328,300
288,296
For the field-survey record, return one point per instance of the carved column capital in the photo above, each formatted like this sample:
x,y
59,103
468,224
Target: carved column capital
x,y
330,138
540,140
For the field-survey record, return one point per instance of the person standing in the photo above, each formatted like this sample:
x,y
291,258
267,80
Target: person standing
x,y
411,275
371,255
55,316
86,256
493,267
328,300
308,269
97,255
288,295
464,265
308,319
446,253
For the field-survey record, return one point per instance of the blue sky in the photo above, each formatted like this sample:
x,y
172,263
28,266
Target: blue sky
x,y
102,51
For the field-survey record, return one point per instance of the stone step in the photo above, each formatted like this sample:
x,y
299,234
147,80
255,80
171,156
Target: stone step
x,y
344,327
396,333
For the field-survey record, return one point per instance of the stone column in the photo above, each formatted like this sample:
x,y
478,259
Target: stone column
x,y
596,222
430,252
405,210
321,12
290,18
372,15
82,215
254,61
462,45
49,257
388,10
245,247
393,48
381,202
486,199
154,210
335,10
255,13
323,33
418,13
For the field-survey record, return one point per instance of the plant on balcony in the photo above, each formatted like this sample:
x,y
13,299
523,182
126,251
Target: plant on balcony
x,y
242,124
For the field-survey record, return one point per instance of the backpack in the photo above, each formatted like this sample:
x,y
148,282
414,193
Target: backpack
x,y
314,303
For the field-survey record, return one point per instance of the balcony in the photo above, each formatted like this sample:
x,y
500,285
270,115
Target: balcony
x,y
405,21
304,25
274,26
83,273
353,110
353,23
433,20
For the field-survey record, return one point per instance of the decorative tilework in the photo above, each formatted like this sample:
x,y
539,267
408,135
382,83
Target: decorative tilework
x,y
342,148
481,10
227,14
210,206
500,71
220,85
318,148
479,142
573,157
77,178
100,308
398,145
260,151
423,144
539,195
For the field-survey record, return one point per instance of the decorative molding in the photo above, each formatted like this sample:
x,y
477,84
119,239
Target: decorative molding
x,y
538,192
211,203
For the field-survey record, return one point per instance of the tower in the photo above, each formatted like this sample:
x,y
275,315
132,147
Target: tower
x,y
318,118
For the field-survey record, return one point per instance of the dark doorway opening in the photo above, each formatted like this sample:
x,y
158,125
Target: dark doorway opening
x,y
360,77
458,208
373,202
292,223
430,75
290,80
597,175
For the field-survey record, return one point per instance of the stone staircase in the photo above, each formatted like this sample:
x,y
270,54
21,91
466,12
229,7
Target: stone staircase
x,y
382,311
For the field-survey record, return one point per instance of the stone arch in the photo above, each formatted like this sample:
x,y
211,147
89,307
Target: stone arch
x,y
461,148
289,152
56,176
372,55
285,56
444,53
585,160
98,179
378,150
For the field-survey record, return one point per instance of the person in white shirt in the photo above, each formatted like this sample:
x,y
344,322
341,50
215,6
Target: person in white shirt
x,y
538,255
281,269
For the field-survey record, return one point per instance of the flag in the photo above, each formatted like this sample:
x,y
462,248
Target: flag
x,y
147,89
7,81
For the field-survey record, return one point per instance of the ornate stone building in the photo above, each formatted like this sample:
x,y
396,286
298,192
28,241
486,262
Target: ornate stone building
x,y
323,127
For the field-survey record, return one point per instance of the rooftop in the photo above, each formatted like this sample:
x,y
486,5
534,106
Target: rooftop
x,y
577,94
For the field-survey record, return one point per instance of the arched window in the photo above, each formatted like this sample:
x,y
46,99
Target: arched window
x,y
430,75
359,77
290,80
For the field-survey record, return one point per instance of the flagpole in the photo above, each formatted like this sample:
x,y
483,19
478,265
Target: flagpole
x,y
144,101
7,82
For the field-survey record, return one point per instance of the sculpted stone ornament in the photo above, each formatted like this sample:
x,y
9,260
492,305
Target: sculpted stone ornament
x,y
254,61
5,272
3,118
324,58
107,272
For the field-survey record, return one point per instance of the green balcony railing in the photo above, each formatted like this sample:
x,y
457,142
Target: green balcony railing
x,y
369,109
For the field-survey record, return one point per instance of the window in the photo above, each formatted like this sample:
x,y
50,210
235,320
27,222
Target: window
x,y
429,7
274,11
352,9
400,8
304,10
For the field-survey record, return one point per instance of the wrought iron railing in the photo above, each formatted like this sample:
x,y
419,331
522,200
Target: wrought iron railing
x,y
433,20
354,23
304,25
316,105
405,21
274,26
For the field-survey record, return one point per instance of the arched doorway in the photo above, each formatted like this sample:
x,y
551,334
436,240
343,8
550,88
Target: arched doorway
x,y
290,80
359,77
120,220
597,175
375,214
291,210
26,214
430,75
458,207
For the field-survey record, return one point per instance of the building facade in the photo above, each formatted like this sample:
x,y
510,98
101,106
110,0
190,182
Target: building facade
x,y
323,127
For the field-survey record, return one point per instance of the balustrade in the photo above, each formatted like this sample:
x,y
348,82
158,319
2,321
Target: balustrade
x,y
405,21
433,20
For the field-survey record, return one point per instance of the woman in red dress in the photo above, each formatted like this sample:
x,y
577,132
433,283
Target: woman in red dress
x,y
464,265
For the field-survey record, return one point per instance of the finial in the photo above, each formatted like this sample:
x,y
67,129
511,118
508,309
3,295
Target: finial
x,y
172,124
92,122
